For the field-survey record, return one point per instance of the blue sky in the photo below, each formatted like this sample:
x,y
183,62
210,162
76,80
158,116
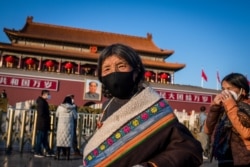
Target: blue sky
x,y
213,35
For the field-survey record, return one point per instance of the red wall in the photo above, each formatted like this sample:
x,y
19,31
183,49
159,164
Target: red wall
x,y
180,106
65,88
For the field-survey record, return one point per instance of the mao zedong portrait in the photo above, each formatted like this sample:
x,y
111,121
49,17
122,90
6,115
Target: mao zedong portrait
x,y
92,92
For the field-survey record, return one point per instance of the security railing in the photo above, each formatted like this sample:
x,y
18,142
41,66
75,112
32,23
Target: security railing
x,y
18,129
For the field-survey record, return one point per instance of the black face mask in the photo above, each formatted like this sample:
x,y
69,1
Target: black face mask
x,y
119,84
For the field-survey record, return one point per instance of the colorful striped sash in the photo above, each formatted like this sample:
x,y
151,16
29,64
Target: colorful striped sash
x,y
133,133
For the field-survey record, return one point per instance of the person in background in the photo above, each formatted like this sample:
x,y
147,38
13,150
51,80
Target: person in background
x,y
138,127
4,94
43,125
75,143
228,122
202,136
92,94
66,114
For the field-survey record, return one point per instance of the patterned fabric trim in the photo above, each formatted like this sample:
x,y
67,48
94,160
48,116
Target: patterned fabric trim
x,y
97,155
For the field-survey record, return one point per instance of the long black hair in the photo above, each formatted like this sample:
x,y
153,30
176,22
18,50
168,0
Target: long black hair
x,y
128,54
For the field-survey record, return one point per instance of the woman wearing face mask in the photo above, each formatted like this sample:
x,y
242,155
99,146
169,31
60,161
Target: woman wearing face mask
x,y
229,122
65,114
138,127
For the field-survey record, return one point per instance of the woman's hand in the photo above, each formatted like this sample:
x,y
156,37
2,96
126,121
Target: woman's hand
x,y
226,95
220,98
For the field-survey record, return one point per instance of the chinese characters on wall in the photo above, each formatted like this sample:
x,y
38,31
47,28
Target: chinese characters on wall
x,y
192,97
44,83
26,82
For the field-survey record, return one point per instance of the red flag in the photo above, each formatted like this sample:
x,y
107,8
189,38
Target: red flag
x,y
218,77
203,75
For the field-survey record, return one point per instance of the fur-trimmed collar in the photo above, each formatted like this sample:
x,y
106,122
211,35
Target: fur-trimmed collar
x,y
136,105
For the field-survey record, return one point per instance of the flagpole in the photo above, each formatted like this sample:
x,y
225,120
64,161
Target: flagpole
x,y
218,80
202,82
217,84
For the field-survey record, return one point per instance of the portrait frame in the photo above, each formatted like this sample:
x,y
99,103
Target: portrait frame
x,y
92,96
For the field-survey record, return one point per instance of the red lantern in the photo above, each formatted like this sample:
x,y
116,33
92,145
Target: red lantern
x,y
164,76
69,65
49,63
30,61
148,74
9,59
93,49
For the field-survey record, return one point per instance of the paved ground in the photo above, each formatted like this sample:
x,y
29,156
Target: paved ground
x,y
27,159
16,159
206,163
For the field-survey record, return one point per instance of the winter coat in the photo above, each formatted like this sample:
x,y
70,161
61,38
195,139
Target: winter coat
x,y
66,114
43,114
240,130
143,131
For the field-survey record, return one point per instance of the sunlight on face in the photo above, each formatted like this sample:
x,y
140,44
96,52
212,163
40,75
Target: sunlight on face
x,y
115,64
228,86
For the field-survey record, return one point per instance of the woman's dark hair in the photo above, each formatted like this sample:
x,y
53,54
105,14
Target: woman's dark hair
x,y
67,100
44,92
127,53
202,108
238,80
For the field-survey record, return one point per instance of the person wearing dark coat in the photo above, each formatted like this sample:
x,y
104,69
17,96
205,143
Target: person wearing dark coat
x,y
228,122
75,143
43,125
137,127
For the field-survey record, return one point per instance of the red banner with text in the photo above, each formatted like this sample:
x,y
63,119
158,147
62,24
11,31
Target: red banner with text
x,y
179,96
28,83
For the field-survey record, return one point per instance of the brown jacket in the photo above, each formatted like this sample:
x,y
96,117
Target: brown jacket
x,y
240,139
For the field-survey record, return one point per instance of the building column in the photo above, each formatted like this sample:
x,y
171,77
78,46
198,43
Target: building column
x,y
20,61
40,64
79,67
1,60
172,78
156,77
59,66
